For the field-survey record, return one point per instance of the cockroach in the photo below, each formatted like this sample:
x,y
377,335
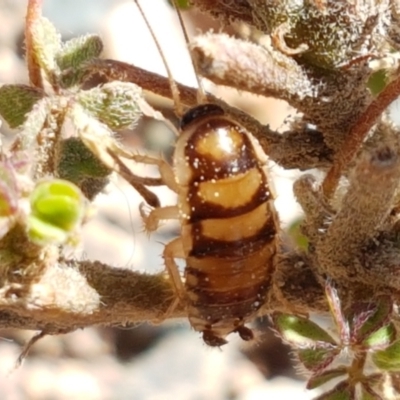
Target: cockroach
x,y
229,226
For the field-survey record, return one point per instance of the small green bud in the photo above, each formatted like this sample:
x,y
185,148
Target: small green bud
x,y
57,209
43,233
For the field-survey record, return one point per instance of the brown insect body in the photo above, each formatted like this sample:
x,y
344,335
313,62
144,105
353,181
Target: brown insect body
x,y
229,223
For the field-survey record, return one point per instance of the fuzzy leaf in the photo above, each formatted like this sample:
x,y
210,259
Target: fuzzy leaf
x,y
370,318
34,123
388,359
341,321
77,164
95,135
99,139
46,45
300,331
307,28
115,103
320,379
57,207
317,359
342,391
381,338
72,77
369,394
79,50
74,54
16,101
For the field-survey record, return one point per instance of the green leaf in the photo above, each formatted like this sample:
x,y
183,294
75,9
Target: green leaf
x,y
368,394
381,338
77,164
115,103
320,379
296,234
16,101
317,359
78,50
72,77
339,318
342,391
46,45
388,359
369,318
34,124
377,81
94,134
301,332
73,56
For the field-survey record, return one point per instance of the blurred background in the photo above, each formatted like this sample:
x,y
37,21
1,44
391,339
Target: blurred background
x,y
169,361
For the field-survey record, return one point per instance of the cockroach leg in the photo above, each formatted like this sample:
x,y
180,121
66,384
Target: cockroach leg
x,y
174,250
245,333
152,219
166,172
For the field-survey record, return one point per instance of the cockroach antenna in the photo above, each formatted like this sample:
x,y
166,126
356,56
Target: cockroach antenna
x,y
174,87
201,96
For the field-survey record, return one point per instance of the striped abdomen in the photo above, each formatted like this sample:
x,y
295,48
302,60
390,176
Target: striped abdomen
x,y
229,225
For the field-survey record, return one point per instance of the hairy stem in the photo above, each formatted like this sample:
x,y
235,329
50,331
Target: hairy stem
x,y
33,13
357,134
